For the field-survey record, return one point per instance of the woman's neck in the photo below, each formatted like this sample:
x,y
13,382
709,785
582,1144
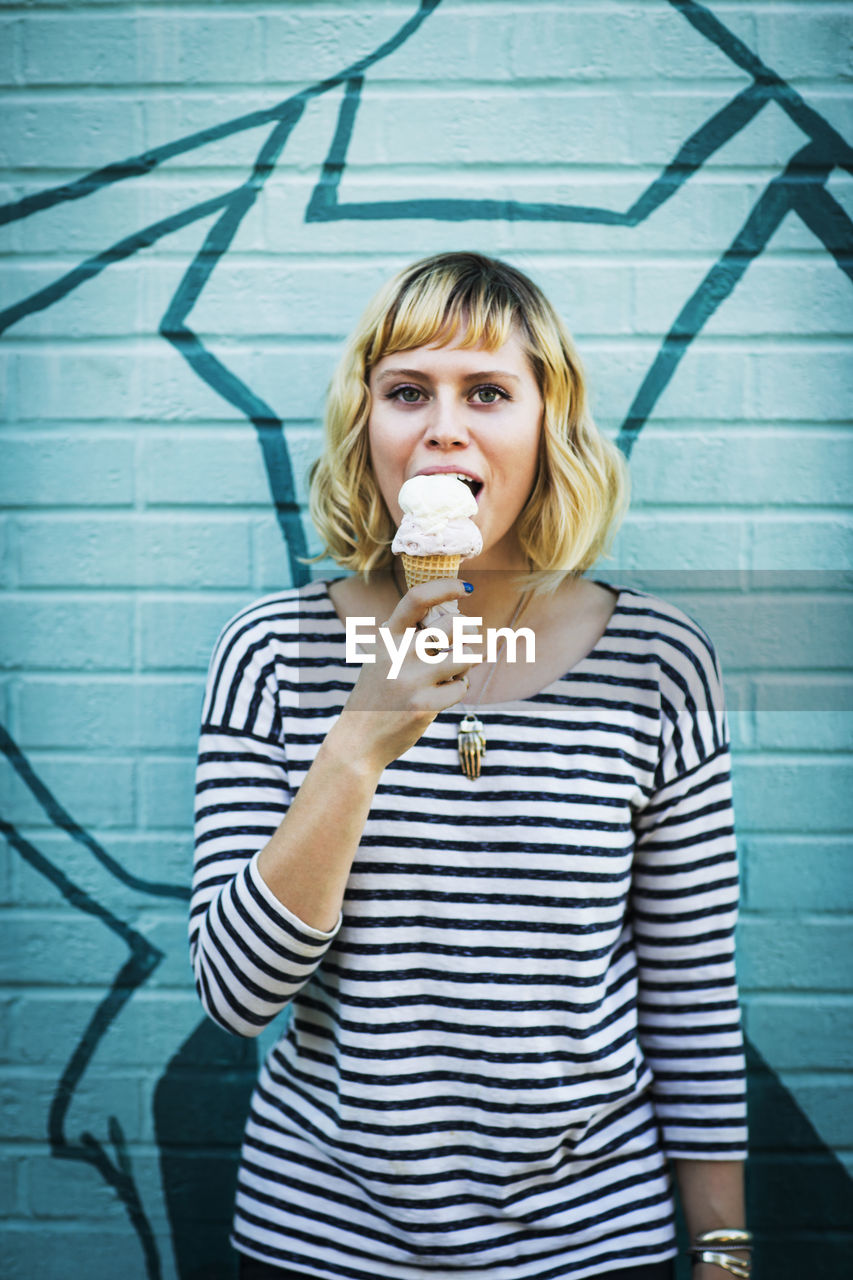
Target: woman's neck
x,y
496,594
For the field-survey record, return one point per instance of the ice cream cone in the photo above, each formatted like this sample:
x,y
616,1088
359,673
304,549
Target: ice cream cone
x,y
429,568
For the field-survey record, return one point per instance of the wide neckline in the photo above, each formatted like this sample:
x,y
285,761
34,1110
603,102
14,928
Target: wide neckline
x,y
547,689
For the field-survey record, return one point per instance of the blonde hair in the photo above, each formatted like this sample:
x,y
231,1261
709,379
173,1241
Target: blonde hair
x,y
581,487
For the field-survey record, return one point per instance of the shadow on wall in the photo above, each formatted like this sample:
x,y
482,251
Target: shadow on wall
x,y
799,1194
200,1107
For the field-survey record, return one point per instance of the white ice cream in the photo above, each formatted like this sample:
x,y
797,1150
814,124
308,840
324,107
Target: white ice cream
x,y
436,518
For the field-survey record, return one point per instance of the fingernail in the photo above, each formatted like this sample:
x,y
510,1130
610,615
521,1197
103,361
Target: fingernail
x,y
469,586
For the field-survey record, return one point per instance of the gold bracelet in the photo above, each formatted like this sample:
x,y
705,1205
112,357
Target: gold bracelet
x,y
724,1237
735,1266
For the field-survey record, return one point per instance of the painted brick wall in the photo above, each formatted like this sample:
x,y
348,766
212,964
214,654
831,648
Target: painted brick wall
x,y
197,200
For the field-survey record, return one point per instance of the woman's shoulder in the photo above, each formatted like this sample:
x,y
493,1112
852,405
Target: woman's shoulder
x,y
280,617
267,646
678,648
664,625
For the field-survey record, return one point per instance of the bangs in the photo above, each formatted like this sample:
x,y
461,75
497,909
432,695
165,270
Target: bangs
x,y
444,306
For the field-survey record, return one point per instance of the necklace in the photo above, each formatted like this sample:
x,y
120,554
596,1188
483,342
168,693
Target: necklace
x,y
471,735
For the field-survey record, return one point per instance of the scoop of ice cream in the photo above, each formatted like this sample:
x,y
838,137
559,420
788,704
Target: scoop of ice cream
x,y
433,500
455,538
436,511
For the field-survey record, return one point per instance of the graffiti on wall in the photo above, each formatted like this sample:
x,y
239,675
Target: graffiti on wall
x,y
800,190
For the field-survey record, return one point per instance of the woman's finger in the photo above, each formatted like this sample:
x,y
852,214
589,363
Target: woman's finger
x,y
448,670
417,602
447,694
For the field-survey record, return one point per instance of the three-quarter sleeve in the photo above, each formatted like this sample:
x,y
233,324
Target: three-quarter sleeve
x,y
684,909
250,954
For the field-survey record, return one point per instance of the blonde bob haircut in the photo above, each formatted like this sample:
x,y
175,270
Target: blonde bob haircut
x,y
581,487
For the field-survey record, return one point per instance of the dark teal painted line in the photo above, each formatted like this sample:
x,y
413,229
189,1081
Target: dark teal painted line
x,y
811,122
725,39
116,1170
143,960
133,167
73,895
60,817
763,221
323,201
174,327
440,209
828,221
270,435
141,165
324,205
117,252
719,129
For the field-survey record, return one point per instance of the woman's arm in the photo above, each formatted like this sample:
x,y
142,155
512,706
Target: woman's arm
x,y
712,1196
685,894
307,862
261,922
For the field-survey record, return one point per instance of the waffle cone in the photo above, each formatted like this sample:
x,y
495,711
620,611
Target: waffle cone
x,y
429,568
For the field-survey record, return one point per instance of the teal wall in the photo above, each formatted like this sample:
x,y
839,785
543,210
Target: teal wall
x,y
196,203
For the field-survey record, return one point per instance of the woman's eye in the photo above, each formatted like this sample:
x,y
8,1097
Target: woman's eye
x,y
488,395
409,395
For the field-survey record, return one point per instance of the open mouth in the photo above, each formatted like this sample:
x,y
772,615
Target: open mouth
x,y
476,486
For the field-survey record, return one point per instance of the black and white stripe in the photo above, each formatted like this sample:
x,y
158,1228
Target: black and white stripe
x,y
530,1001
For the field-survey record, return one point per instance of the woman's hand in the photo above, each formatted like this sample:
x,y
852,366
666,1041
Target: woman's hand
x,y
386,715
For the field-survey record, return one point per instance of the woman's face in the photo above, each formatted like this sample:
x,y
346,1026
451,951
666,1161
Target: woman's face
x,y
469,411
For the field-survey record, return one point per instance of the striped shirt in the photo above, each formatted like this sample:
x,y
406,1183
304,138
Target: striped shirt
x,y
529,1002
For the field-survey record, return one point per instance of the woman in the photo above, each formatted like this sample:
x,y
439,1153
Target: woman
x,y
513,994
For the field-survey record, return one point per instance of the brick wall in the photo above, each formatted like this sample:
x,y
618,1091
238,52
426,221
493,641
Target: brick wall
x,y
197,202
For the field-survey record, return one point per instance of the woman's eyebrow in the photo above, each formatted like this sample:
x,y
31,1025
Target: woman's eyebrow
x,y
492,373
402,373
468,377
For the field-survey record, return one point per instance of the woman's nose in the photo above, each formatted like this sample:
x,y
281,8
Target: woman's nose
x,y
447,427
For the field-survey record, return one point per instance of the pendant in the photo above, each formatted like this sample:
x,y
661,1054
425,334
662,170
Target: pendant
x,y
471,741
